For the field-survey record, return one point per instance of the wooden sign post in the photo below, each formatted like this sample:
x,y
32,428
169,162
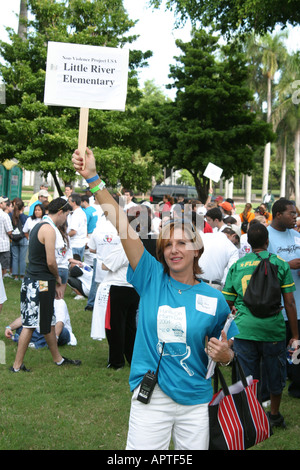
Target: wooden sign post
x,y
83,132
86,77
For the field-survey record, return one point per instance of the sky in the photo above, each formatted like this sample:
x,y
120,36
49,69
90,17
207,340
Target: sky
x,y
157,33
156,30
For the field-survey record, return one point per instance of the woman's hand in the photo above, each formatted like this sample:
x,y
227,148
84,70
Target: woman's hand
x,y
90,164
220,351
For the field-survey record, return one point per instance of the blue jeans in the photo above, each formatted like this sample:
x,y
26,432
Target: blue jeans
x,y
63,272
79,251
64,337
39,340
94,285
18,254
251,354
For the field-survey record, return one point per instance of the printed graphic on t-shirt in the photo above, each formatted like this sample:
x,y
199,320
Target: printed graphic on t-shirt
x,y
171,330
289,249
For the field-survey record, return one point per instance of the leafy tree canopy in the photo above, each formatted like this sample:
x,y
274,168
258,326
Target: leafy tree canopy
x,y
211,119
42,138
234,15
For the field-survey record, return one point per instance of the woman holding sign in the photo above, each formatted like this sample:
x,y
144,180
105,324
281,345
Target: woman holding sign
x,y
177,312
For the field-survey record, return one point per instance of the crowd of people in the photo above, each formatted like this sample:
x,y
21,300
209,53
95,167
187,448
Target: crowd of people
x,y
160,282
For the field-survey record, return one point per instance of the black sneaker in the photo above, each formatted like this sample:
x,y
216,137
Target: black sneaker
x,y
89,307
23,368
276,420
66,361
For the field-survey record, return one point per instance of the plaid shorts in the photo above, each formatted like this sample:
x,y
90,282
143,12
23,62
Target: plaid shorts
x,y
5,259
37,304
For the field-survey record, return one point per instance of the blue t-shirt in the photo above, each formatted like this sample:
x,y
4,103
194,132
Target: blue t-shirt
x,y
182,322
91,217
286,245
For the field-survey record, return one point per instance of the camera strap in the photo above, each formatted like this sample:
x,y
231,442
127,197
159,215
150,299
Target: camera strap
x,y
162,350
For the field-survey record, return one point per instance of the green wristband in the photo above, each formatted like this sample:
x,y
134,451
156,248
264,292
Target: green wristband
x,y
99,187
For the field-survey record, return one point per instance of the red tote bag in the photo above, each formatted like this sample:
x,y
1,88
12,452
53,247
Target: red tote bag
x,y
237,419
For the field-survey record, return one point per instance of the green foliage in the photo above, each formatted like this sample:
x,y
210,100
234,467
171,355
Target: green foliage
x,y
211,119
43,138
229,16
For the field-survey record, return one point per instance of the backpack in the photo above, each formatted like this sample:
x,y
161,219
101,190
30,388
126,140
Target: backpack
x,y
17,233
244,225
263,293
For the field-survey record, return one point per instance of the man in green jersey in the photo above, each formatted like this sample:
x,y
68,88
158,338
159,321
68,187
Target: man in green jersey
x,y
262,338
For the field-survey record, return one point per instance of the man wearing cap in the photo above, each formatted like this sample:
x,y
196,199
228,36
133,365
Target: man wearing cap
x,y
233,233
6,229
35,196
226,208
43,196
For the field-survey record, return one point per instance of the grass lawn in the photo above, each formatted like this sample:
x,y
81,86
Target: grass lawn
x,y
80,408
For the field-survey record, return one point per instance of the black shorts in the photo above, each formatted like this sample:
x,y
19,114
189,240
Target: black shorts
x,y
37,304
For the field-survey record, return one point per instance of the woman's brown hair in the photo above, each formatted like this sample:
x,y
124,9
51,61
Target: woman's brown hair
x,y
191,233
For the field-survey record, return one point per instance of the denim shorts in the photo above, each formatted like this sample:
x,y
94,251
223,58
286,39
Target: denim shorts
x,y
64,273
252,354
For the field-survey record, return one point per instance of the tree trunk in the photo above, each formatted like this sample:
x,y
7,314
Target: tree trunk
x,y
57,185
22,28
267,153
296,160
202,187
248,188
283,170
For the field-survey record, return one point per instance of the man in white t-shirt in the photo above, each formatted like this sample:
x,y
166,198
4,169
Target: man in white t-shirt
x,y
219,254
128,196
77,226
284,241
214,217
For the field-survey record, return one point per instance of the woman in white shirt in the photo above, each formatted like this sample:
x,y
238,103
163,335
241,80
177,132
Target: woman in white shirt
x,y
36,218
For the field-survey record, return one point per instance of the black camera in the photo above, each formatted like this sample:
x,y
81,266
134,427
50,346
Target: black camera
x,y
147,386
148,383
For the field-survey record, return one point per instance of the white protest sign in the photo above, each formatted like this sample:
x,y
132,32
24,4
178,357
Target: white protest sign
x,y
213,172
84,76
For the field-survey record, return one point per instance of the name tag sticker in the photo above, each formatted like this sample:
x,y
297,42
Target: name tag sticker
x,y
206,304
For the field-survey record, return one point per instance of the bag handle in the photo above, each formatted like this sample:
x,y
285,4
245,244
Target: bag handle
x,y
236,367
218,375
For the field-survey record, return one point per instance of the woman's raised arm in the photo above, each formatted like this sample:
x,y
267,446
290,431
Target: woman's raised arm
x,y
132,244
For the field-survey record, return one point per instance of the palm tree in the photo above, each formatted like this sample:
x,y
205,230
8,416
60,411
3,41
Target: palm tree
x,y
287,112
22,26
273,54
266,54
